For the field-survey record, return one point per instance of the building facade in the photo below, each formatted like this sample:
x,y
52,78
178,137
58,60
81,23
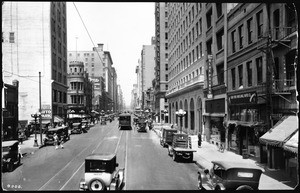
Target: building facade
x,y
186,63
80,90
34,40
160,85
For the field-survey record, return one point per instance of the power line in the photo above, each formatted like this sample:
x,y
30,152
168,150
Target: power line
x,y
87,32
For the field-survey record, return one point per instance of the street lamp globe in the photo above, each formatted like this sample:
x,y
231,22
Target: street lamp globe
x,y
180,113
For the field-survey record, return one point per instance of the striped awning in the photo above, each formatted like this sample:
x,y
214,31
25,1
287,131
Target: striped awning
x,y
280,132
292,143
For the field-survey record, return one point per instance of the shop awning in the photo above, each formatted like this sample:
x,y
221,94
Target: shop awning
x,y
280,132
244,123
292,143
214,114
58,119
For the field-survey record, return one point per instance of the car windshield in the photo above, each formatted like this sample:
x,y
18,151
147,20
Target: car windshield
x,y
97,166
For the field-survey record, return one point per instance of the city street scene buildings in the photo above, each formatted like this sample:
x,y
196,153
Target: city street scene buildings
x,y
223,76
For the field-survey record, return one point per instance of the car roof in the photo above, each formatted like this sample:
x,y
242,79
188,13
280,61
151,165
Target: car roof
x,y
125,114
57,128
100,157
9,143
232,164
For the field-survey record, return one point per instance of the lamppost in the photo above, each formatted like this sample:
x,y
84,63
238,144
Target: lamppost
x,y
35,116
165,114
180,113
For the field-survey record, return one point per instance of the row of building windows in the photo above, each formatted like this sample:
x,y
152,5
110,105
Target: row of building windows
x,y
84,54
59,96
76,86
59,77
186,61
188,77
77,99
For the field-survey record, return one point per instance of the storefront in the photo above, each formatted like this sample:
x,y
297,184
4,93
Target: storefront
x,y
275,138
291,161
214,129
245,123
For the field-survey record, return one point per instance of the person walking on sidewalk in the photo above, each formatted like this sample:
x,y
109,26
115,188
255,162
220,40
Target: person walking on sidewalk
x,y
58,141
199,139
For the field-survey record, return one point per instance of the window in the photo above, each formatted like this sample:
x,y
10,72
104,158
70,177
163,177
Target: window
x,y
201,71
200,49
249,30
167,77
259,69
276,16
11,37
197,52
259,21
233,41
233,78
219,9
208,47
220,73
249,73
166,36
200,25
209,18
241,35
240,69
220,40
166,66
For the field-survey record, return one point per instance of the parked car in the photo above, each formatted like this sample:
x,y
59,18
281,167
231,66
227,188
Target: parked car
x,y
142,122
11,155
166,136
62,133
229,175
85,125
101,173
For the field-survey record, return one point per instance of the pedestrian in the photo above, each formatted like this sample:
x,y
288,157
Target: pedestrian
x,y
56,141
19,150
199,139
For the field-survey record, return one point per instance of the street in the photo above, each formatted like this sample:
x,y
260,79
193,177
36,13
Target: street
x,y
147,165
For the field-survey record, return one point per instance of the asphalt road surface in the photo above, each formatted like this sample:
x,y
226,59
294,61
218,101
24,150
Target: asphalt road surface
x,y
147,164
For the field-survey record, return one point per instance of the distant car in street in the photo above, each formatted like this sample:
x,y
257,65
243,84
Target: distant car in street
x,y
62,133
101,174
229,175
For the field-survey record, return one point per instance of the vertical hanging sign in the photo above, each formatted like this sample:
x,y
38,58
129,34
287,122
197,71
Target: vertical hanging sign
x,y
209,78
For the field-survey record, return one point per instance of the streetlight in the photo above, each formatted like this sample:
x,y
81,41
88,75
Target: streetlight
x,y
165,114
35,116
180,113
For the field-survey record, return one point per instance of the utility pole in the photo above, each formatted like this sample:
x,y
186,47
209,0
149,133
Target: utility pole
x,y
40,97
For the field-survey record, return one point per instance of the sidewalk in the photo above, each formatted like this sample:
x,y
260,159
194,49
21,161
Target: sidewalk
x,y
271,179
27,147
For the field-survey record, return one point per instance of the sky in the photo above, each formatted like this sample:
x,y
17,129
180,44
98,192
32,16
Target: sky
x,y
123,28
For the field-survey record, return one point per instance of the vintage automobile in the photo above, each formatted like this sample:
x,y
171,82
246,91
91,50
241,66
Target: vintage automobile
x,y
85,125
11,156
142,123
181,147
101,173
125,121
229,175
166,136
103,120
62,133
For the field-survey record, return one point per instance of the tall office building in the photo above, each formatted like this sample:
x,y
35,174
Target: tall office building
x,y
160,85
34,39
186,64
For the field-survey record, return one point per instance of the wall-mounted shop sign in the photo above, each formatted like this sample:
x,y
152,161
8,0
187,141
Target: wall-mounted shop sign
x,y
209,78
243,98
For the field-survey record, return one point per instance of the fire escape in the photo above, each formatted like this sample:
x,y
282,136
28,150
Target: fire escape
x,y
276,37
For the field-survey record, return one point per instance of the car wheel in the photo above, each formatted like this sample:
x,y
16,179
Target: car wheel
x,y
10,166
96,185
244,187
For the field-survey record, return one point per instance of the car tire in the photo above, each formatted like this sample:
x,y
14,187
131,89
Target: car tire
x,y
10,166
200,187
94,185
244,187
